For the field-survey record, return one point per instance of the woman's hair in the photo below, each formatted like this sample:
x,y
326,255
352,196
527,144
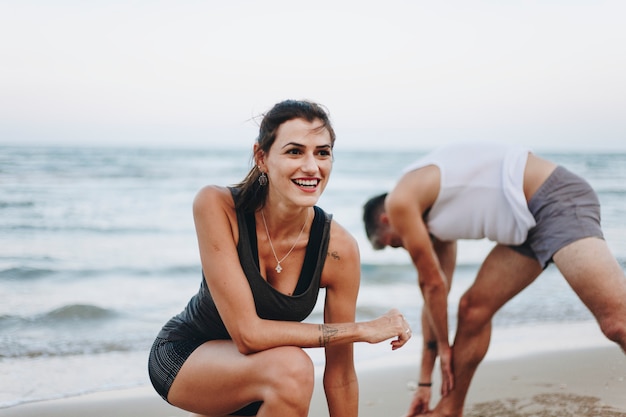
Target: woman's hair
x,y
251,194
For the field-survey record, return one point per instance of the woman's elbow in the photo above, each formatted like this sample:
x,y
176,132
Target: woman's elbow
x,y
247,340
244,348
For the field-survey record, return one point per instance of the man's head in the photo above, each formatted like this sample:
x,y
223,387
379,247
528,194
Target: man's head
x,y
372,213
377,226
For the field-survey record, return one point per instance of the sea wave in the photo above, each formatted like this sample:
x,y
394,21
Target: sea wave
x,y
16,204
78,312
12,349
23,273
74,329
65,314
33,226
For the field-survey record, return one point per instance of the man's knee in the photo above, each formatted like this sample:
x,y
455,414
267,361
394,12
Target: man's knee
x,y
473,314
614,328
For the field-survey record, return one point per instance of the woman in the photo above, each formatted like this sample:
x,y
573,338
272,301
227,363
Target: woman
x,y
266,250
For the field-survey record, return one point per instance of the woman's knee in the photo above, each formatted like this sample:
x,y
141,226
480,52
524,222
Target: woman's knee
x,y
295,365
292,377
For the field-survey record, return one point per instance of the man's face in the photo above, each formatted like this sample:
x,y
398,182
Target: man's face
x,y
386,236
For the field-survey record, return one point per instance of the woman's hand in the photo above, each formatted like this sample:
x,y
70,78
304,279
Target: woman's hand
x,y
391,325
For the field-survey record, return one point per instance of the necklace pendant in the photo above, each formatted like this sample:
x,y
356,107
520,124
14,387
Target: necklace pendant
x,y
279,268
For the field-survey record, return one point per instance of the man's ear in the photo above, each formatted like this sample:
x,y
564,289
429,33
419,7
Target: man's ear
x,y
384,218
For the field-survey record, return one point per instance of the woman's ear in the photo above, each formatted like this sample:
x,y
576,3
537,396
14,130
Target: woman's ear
x,y
259,156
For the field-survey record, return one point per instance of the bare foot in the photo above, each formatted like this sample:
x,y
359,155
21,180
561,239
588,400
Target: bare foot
x,y
440,411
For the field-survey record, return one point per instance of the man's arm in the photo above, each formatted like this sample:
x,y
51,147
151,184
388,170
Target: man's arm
x,y
405,207
446,253
435,286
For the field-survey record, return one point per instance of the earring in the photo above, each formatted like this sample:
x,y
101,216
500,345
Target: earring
x,y
262,179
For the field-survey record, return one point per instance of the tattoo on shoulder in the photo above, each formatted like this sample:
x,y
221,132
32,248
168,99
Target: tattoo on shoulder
x,y
334,255
327,334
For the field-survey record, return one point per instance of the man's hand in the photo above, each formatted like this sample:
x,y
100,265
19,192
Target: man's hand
x,y
447,375
420,403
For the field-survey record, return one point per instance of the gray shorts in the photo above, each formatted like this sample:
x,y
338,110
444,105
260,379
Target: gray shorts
x,y
566,209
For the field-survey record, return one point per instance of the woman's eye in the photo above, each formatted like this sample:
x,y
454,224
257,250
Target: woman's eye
x,y
294,151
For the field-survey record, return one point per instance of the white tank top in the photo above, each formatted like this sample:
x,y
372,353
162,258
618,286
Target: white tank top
x,y
481,193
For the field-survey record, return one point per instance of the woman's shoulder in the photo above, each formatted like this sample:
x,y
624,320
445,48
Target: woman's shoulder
x,y
342,243
342,259
213,196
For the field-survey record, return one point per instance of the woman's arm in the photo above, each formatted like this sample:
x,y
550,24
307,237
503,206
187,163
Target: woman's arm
x,y
341,278
216,227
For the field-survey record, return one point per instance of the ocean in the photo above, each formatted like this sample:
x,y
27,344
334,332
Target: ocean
x,y
98,250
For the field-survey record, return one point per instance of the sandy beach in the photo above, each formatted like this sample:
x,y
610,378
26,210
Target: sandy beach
x,y
576,383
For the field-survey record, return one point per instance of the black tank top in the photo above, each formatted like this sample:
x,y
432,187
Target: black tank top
x,y
200,320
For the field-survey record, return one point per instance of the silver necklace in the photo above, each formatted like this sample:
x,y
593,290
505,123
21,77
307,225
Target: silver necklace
x,y
278,267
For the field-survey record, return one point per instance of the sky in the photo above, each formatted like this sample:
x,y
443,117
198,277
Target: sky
x,y
399,74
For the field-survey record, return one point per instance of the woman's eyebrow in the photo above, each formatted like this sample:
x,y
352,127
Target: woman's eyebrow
x,y
299,145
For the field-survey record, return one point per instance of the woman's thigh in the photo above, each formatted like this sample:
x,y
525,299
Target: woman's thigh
x,y
217,379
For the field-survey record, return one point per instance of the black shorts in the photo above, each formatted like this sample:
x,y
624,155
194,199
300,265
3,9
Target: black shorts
x,y
165,360
566,209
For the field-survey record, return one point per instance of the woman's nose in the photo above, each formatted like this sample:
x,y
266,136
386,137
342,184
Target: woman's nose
x,y
309,164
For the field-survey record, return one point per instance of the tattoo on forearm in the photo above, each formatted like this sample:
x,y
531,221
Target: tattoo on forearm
x,y
432,345
334,255
327,334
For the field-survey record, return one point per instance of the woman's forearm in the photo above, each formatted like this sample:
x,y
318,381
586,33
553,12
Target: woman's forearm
x,y
340,383
266,334
343,401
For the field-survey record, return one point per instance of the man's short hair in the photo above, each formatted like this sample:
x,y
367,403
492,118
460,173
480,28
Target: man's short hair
x,y
371,216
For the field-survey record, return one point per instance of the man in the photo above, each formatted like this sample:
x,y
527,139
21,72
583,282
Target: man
x,y
535,211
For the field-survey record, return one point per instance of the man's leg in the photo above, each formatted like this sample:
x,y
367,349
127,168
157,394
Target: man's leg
x,y
503,275
597,278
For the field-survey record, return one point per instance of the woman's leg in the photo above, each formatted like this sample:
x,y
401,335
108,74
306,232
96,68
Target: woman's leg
x,y
217,380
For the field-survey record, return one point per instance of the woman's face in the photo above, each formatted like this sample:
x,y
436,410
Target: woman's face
x,y
299,163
